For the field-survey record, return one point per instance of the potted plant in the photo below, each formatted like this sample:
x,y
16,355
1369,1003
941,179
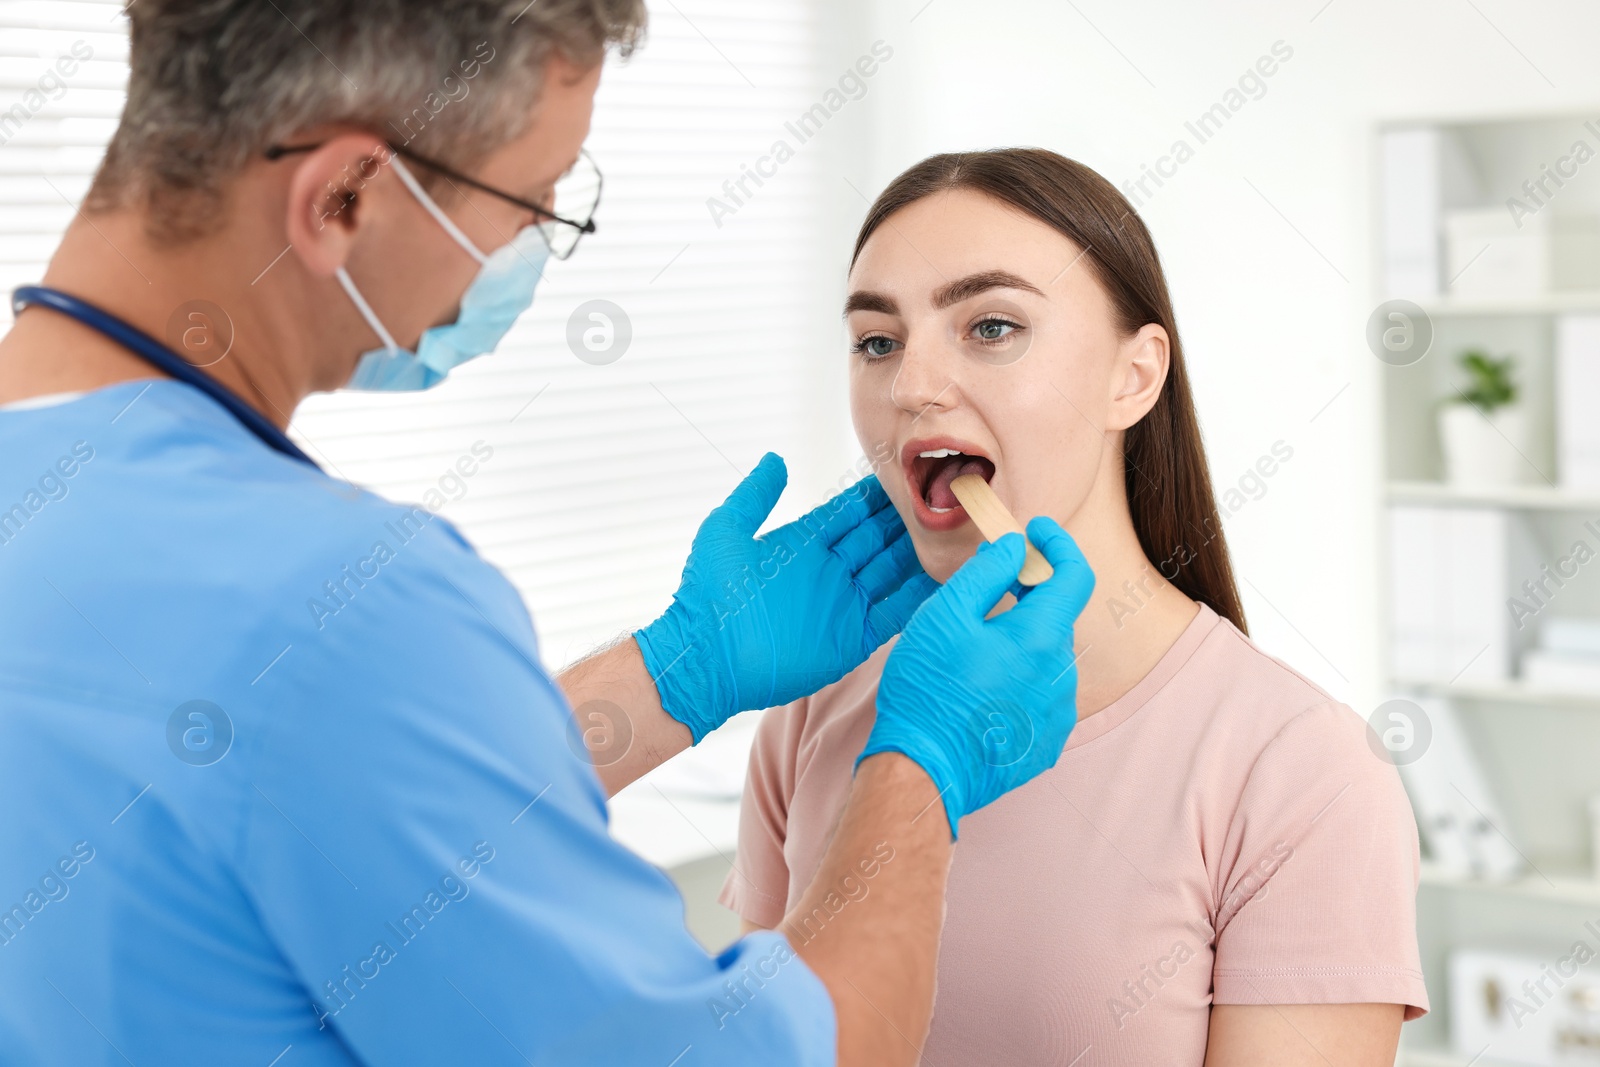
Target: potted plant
x,y
1482,426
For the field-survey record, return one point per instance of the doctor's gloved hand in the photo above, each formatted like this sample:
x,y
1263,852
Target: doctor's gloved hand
x,y
985,705
762,621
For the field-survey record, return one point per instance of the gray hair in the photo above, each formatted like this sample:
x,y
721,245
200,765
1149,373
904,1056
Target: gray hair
x,y
213,83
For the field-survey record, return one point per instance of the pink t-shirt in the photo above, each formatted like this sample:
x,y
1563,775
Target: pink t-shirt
x,y
1222,833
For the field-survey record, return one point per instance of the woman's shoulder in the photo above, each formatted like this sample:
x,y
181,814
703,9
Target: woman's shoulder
x,y
1243,685
1280,735
1221,710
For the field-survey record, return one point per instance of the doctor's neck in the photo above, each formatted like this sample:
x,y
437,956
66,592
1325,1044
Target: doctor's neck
x,y
234,302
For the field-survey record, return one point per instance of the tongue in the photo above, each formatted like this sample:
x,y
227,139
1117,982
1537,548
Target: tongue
x,y
939,492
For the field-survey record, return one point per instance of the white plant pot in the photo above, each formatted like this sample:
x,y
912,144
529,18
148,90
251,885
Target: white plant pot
x,y
1483,451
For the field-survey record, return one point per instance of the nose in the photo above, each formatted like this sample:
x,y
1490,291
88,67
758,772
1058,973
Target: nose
x,y
926,381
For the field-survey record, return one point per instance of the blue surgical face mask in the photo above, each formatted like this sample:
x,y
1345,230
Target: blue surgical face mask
x,y
502,290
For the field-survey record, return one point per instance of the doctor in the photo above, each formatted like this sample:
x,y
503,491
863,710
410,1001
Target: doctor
x,y
283,780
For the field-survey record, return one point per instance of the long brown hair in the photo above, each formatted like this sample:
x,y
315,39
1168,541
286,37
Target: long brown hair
x,y
1169,491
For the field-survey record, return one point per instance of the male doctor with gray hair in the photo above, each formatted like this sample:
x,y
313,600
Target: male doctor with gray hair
x,y
238,831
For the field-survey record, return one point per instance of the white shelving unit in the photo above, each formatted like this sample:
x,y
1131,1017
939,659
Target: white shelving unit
x,y
1539,748
1553,886
1441,1058
1504,697
1521,497
1544,304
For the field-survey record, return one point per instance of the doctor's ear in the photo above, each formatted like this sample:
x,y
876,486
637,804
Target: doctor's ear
x,y
1140,371
330,194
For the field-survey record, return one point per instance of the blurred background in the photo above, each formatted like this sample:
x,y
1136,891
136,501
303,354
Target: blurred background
x,y
1381,226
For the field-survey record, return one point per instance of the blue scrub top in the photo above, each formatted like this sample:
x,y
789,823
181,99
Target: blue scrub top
x,y
282,782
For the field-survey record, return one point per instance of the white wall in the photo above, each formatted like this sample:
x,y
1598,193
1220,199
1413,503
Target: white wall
x,y
1265,232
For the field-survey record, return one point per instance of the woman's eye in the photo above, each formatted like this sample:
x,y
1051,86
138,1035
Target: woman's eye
x,y
992,330
875,347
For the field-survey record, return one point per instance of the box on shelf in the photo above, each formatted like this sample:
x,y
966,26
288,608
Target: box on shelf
x,y
1564,671
1577,637
1487,254
1448,571
1567,657
1575,251
1577,381
1410,165
1424,170
1519,1008
1458,815
1490,254
1594,837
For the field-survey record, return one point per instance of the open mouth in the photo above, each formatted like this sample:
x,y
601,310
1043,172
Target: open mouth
x,y
930,468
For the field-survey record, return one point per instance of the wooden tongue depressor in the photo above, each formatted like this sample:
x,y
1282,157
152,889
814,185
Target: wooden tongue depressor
x,y
993,520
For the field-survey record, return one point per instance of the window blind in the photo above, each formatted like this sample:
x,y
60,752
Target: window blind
x,y
63,70
587,477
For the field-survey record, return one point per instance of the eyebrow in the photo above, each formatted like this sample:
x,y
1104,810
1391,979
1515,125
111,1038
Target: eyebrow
x,y
944,296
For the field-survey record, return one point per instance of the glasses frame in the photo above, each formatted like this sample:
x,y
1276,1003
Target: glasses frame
x,y
276,152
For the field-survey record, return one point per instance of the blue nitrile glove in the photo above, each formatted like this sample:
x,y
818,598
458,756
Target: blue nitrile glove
x,y
985,705
761,621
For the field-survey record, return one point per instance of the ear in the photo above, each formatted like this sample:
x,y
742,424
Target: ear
x,y
1142,360
330,196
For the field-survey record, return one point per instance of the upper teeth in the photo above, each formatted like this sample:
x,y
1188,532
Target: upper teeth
x,y
940,453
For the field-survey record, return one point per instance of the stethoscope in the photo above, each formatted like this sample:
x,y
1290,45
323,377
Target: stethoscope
x,y
161,357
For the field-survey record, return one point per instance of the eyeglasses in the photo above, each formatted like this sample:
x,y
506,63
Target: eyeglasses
x,y
572,206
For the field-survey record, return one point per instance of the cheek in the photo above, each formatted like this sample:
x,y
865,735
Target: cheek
x,y
873,417
414,281
1053,447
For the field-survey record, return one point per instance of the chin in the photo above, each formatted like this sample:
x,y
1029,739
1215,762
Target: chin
x,y
944,560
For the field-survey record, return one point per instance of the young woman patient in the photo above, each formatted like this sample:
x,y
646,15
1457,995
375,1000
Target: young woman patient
x,y
1219,870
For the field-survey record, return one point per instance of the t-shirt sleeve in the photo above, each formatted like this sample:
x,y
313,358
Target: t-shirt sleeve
x,y
1317,895
427,846
757,888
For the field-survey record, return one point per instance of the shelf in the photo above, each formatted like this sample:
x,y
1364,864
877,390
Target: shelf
x,y
1512,692
1561,888
1540,304
1522,497
1532,740
1433,1056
